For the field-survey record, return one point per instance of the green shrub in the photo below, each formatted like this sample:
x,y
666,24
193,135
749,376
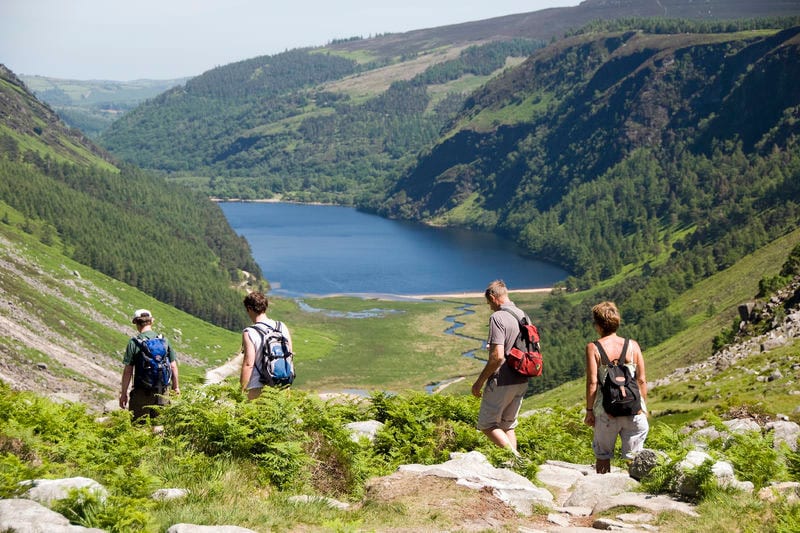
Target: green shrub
x,y
556,434
754,458
115,515
422,428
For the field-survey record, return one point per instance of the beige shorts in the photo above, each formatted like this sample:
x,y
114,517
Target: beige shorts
x,y
500,405
632,430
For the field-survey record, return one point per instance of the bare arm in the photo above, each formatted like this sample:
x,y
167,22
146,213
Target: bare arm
x,y
641,372
176,387
249,360
496,359
127,373
591,384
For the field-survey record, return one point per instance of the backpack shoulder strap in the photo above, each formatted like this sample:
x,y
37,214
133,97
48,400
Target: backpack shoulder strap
x,y
139,341
622,359
512,313
603,356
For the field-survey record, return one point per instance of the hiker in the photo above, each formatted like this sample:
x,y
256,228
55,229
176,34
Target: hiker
x,y
149,387
631,426
254,375
501,399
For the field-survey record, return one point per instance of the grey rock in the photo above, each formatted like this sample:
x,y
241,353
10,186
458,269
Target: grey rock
x,y
192,528
742,425
365,429
45,491
656,504
473,470
784,432
558,519
169,494
790,490
558,477
592,489
636,518
330,502
28,516
644,462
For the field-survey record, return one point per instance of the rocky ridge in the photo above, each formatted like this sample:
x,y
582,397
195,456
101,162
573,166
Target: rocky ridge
x,y
781,315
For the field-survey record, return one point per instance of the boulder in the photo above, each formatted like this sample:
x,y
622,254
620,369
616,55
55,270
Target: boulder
x,y
366,429
23,515
784,432
742,425
645,461
45,491
330,502
473,470
592,489
192,528
169,494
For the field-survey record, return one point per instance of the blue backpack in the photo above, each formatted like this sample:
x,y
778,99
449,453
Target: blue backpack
x,y
153,370
275,363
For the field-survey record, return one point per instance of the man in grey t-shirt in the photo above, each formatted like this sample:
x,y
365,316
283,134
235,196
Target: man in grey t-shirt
x,y
501,399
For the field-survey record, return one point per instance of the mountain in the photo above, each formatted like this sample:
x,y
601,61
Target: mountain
x,y
618,122
341,123
174,244
92,105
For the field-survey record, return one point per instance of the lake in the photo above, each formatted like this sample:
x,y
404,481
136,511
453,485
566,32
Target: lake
x,y
307,250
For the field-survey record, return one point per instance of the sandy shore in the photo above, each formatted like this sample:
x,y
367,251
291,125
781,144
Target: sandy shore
x,y
442,296
471,294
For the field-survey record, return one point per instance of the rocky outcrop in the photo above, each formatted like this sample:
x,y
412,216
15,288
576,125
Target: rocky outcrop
x,y
781,314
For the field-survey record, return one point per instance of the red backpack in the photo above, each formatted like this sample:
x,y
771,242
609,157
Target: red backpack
x,y
525,357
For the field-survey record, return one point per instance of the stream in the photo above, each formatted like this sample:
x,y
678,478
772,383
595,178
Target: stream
x,y
466,310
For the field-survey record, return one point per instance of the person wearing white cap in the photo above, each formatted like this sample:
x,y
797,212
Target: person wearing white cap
x,y
152,363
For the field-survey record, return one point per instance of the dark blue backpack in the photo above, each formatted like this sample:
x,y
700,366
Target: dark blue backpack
x,y
153,370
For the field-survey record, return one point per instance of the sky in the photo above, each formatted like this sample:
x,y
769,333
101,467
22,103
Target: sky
x,y
125,40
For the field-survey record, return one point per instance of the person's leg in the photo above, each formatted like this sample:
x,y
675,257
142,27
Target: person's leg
x,y
605,438
500,438
512,399
633,434
139,402
512,439
490,415
252,394
602,466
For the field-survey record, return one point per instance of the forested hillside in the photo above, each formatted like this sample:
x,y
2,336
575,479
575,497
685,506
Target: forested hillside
x,y
172,243
280,119
341,122
644,156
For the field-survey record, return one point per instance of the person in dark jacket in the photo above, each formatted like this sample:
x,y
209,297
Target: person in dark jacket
x,y
143,395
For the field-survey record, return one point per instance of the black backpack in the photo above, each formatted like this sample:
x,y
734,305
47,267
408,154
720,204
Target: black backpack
x,y
525,356
276,361
621,395
153,370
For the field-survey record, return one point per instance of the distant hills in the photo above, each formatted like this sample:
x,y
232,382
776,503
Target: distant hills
x,y
341,123
92,105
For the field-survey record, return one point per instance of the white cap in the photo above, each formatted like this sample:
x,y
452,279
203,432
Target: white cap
x,y
141,313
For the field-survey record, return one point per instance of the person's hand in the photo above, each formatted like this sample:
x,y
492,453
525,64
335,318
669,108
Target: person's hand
x,y
123,400
589,418
176,392
476,389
